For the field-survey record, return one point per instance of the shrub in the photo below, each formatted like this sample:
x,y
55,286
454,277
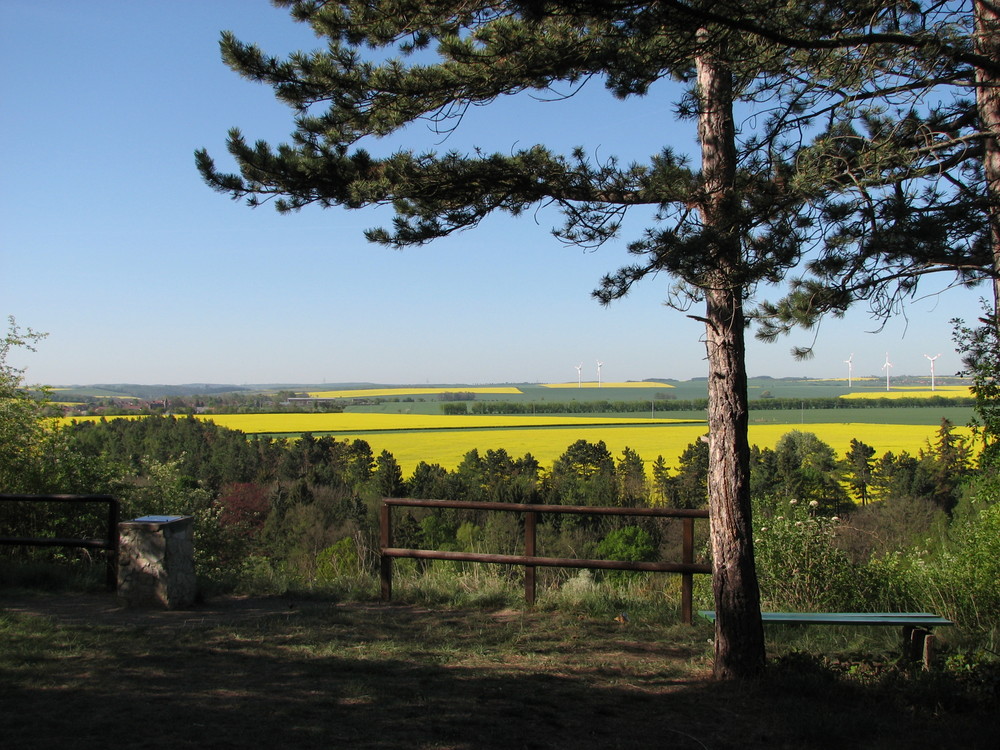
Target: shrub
x,y
629,543
963,582
338,560
882,527
799,566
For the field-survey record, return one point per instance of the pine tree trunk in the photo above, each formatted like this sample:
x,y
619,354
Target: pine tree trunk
x,y
987,40
739,634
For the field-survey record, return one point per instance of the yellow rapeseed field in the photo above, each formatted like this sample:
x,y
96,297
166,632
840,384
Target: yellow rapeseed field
x,y
945,391
398,392
445,439
448,448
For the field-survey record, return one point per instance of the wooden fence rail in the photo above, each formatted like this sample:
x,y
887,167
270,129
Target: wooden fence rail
x,y
687,567
109,542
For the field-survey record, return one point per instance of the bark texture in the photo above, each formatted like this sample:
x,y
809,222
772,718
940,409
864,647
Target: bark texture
x,y
987,39
739,641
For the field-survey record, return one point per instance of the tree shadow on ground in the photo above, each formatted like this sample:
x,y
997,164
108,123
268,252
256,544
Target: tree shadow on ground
x,y
313,675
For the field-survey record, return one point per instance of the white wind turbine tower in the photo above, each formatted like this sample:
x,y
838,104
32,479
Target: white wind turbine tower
x,y
599,366
887,366
932,367
850,368
579,377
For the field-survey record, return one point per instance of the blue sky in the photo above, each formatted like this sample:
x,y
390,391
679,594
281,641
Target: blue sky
x,y
111,244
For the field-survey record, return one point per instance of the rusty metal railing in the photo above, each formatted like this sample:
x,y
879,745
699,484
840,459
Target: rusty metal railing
x,y
109,542
530,560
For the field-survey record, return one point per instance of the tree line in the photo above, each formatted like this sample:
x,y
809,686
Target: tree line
x,y
227,402
283,503
698,404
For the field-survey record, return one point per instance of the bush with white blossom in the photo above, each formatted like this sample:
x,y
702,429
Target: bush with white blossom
x,y
800,568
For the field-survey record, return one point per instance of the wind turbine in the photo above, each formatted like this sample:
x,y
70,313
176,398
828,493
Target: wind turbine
x,y
887,366
579,377
932,367
599,366
850,368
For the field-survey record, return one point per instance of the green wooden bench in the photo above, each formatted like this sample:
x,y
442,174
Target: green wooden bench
x,y
918,638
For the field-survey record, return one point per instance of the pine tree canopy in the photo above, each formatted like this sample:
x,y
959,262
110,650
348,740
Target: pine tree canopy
x,y
855,158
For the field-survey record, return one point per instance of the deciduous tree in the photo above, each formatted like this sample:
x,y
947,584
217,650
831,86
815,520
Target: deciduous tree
x,y
21,419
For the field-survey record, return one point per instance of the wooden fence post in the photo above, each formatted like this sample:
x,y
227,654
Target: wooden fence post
x,y
687,579
385,541
114,539
530,519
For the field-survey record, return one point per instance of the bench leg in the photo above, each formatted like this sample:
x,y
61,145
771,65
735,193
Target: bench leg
x,y
908,636
918,645
928,651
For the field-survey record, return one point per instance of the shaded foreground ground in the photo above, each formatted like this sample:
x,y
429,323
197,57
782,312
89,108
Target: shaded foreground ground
x,y
76,670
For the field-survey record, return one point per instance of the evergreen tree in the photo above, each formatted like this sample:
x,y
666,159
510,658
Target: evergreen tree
x,y
428,481
467,482
902,476
947,463
690,485
979,346
388,476
807,471
764,482
497,475
661,481
360,463
859,467
631,471
725,229
912,155
584,475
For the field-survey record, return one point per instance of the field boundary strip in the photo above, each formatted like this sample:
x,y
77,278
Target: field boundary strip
x,y
415,391
595,384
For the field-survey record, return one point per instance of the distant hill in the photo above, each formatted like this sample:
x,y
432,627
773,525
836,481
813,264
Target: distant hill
x,y
694,388
147,392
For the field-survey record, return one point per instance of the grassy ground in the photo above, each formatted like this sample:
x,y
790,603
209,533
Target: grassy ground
x,y
75,669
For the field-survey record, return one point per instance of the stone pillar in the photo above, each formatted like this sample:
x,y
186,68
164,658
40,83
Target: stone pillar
x,y
156,562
